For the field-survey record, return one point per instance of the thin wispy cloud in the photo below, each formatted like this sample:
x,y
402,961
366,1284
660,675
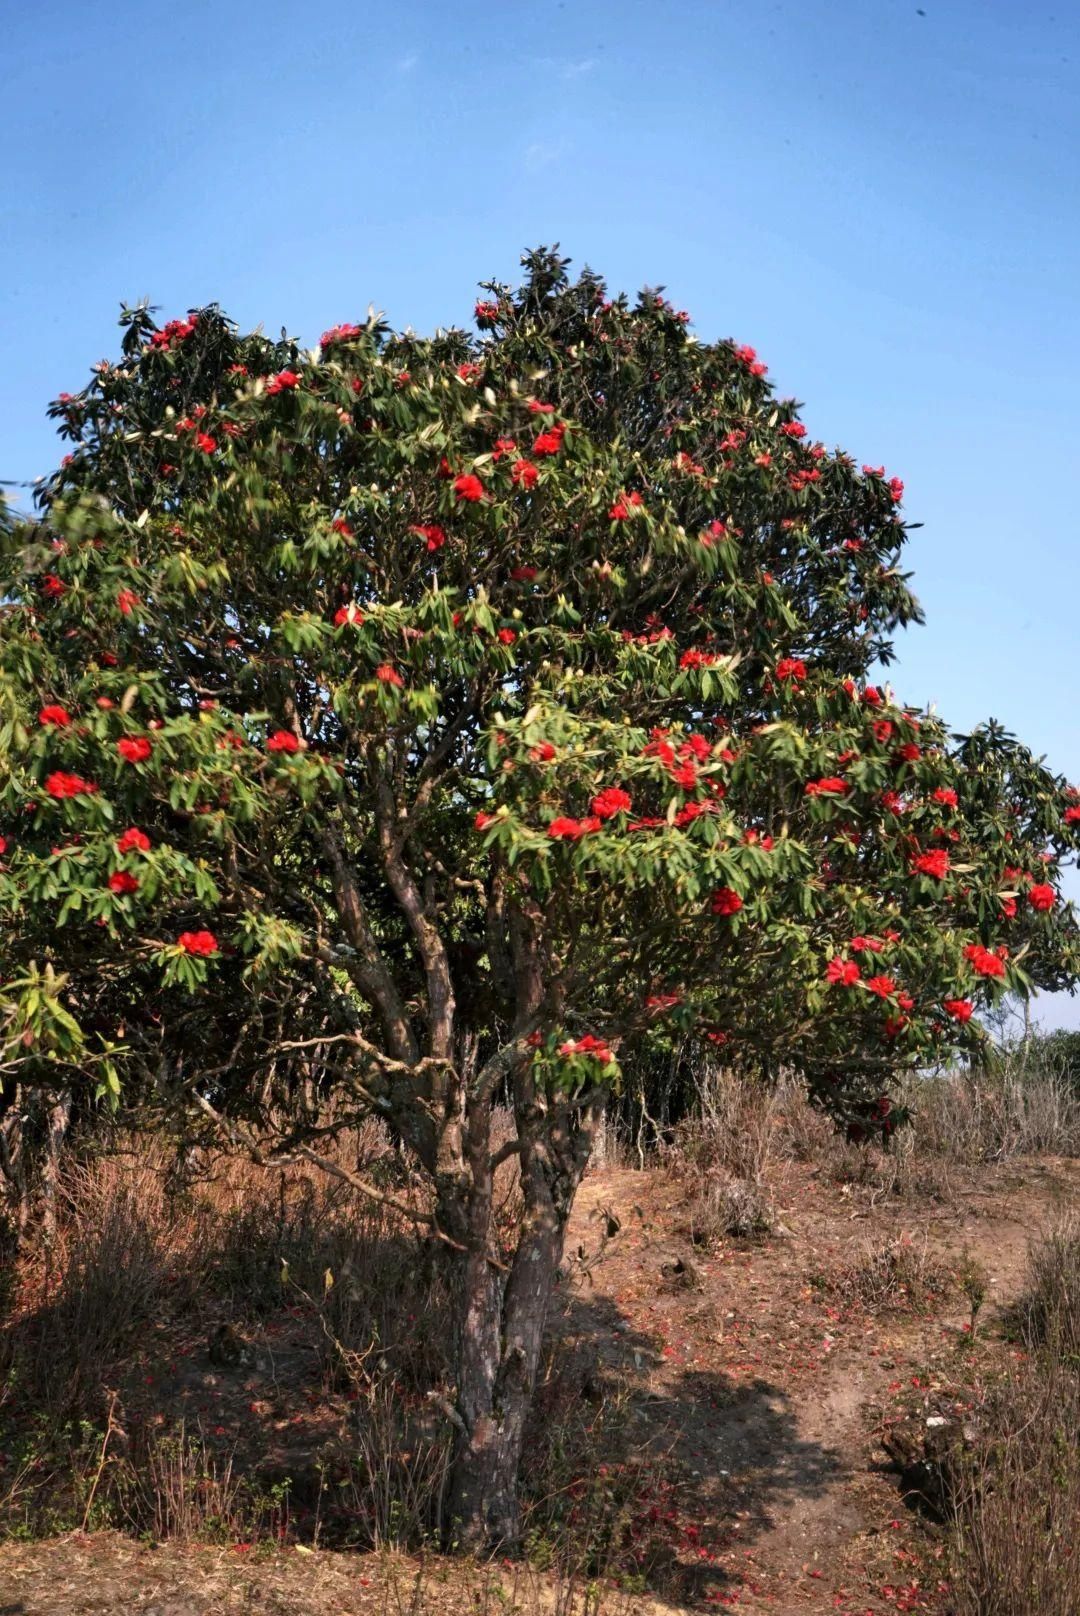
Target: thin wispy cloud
x,y
542,153
566,69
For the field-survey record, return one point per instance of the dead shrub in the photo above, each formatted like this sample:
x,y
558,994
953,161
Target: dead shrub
x,y
1019,1498
900,1276
1050,1311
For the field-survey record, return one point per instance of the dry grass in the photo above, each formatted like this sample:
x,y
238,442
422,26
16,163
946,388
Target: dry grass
x,y
1019,1494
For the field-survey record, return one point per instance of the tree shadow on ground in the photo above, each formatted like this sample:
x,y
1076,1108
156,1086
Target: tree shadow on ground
x,y
730,1449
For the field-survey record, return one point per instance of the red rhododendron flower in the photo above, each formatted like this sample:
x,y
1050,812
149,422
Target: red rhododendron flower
x,y
572,830
846,972
523,575
791,668
536,408
122,882
982,961
587,1046
134,748
69,785
1041,896
725,901
503,446
793,429
203,943
55,715
946,796
524,473
205,442
548,443
52,586
866,945
623,506
283,740
506,636
284,382
387,674
173,331
482,820
348,614
882,729
543,752
935,863
830,786
338,333
432,533
612,800
339,525
698,659
486,313
126,599
468,487
132,841
959,1009
1008,908
909,752
883,986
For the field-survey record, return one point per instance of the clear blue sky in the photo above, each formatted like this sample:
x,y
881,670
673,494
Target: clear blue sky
x,y
882,202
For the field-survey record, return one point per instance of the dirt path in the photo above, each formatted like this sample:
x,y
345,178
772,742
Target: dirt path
x,y
775,1396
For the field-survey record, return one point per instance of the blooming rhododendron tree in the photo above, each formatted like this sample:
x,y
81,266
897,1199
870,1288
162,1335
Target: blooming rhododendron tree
x,y
414,724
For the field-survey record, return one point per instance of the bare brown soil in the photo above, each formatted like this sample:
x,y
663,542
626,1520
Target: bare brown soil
x,y
755,1375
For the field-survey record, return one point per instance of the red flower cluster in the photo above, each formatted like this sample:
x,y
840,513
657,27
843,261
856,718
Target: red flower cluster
x,y
432,533
387,674
1041,896
55,715
203,943
549,442
698,659
588,1045
173,331
624,505
286,381
61,785
748,356
468,487
53,587
983,962
609,802
133,840
725,901
843,971
935,863
122,882
960,1009
830,786
883,986
524,473
348,614
134,748
572,830
946,796
791,668
338,333
283,740
1072,815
